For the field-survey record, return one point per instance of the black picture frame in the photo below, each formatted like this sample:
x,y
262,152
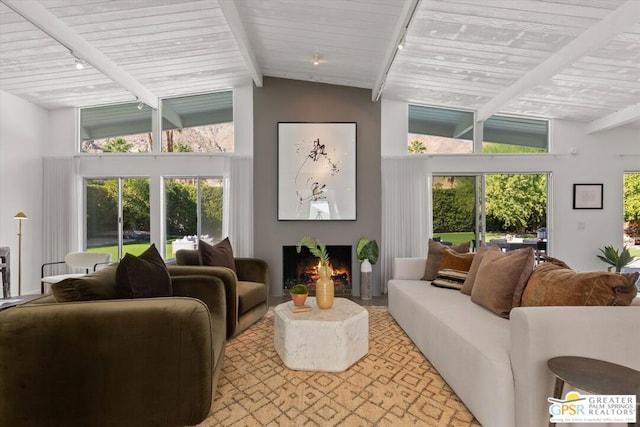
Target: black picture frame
x,y
317,171
588,196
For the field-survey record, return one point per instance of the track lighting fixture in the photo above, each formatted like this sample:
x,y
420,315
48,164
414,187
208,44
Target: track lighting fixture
x,y
401,43
79,63
140,105
316,59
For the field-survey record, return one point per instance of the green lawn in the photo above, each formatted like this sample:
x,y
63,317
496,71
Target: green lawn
x,y
131,248
462,237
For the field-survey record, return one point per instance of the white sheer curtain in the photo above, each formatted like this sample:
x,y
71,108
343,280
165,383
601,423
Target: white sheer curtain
x,y
59,202
405,210
241,206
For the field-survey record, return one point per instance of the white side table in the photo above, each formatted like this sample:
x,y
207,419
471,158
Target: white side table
x,y
328,340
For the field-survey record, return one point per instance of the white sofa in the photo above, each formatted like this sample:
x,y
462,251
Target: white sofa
x,y
497,366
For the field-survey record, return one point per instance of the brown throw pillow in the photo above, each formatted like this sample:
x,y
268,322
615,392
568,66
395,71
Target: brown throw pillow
x,y
501,279
553,284
434,257
99,285
475,264
143,276
452,260
218,255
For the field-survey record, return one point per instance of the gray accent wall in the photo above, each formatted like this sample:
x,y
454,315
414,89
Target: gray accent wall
x,y
283,100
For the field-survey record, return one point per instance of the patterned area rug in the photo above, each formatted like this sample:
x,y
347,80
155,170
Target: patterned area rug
x,y
393,385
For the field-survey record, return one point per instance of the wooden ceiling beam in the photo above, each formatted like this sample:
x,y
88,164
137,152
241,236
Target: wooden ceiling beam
x,y
35,13
619,118
620,20
400,31
231,15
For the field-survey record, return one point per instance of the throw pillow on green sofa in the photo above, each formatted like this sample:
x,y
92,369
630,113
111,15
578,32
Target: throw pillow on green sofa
x,y
99,285
143,276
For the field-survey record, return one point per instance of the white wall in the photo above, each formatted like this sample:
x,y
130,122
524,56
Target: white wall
x,y
23,136
575,235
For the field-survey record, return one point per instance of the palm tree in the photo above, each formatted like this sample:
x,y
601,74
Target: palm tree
x,y
118,145
416,147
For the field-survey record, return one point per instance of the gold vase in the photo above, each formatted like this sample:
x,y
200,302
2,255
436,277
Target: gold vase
x,y
324,288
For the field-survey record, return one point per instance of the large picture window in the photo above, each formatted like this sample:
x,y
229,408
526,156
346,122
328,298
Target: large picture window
x,y
515,135
439,131
124,128
443,131
194,210
503,208
198,123
117,215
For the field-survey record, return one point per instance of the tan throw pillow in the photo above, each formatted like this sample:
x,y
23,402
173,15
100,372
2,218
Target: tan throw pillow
x,y
434,257
501,279
99,285
473,270
553,284
452,260
218,255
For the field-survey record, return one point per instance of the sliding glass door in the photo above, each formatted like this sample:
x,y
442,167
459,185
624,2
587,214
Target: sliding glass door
x,y
117,215
193,210
632,212
485,207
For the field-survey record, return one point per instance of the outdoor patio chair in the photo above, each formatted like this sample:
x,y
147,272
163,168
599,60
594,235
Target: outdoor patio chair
x,y
85,260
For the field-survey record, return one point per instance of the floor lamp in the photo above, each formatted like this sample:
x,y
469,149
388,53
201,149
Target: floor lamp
x,y
20,216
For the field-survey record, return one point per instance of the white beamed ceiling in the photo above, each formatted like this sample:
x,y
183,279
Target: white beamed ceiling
x,y
481,55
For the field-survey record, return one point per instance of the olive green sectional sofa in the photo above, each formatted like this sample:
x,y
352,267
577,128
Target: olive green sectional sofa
x,y
114,362
246,283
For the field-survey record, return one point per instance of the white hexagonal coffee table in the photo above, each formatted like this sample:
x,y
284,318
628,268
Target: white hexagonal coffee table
x,y
321,339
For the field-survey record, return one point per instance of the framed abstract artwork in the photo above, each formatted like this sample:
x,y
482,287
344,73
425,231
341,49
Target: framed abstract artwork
x,y
587,196
316,171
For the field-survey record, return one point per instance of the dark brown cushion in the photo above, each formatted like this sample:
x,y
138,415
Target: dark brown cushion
x,y
501,279
554,284
452,260
143,276
218,255
473,269
434,257
99,285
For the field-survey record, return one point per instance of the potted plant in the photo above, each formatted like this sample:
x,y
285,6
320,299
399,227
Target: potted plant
x,y
616,259
324,285
299,294
367,252
317,249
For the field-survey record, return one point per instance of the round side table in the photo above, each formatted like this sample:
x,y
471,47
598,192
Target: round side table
x,y
594,376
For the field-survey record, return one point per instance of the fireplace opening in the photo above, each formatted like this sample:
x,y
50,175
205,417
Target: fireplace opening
x,y
303,268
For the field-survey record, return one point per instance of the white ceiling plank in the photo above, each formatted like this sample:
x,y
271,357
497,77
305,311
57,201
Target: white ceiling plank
x,y
230,11
35,13
619,118
400,31
622,19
